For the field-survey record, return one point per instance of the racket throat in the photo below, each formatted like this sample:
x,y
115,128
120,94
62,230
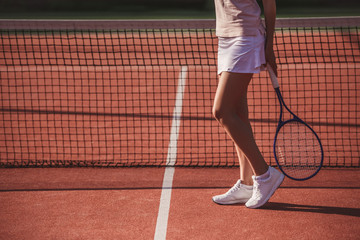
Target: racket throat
x,y
281,102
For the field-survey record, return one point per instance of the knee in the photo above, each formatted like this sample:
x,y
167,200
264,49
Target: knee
x,y
221,115
226,115
217,113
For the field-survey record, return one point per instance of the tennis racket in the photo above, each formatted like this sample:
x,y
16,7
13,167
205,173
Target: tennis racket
x,y
297,148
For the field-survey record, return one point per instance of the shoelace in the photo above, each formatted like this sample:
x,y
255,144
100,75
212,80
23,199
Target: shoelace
x,y
234,188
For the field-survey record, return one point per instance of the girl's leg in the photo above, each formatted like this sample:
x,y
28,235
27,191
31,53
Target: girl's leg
x,y
230,109
246,172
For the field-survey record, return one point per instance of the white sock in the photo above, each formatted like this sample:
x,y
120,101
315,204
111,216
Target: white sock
x,y
247,186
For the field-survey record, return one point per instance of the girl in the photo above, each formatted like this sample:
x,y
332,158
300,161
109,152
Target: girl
x,y
245,48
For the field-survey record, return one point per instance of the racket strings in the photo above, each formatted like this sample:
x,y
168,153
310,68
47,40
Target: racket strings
x,y
298,150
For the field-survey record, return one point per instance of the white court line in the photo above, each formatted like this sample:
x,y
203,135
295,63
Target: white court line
x,y
165,199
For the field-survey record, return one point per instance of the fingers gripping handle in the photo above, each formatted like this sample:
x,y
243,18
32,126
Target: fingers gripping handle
x,y
273,77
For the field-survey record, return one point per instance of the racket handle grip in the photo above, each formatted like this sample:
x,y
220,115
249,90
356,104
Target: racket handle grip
x,y
273,77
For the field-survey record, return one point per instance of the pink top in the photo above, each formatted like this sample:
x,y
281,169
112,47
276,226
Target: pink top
x,y
237,18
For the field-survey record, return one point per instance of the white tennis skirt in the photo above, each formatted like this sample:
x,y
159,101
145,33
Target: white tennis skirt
x,y
245,54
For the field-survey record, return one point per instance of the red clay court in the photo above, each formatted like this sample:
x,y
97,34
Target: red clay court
x,y
121,203
106,131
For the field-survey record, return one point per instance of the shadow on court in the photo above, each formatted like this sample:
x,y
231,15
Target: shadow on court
x,y
277,206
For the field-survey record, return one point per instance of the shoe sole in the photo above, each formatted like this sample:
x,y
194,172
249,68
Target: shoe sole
x,y
276,186
231,202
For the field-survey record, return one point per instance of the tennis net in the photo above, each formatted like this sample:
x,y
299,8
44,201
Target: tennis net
x,y
140,93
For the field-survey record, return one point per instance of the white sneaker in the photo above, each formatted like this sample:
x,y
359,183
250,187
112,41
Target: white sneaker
x,y
237,194
265,188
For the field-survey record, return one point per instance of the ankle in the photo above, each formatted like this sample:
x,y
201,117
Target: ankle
x,y
264,176
247,182
264,171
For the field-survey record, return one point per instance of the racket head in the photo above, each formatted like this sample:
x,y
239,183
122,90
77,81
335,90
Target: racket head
x,y
298,150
